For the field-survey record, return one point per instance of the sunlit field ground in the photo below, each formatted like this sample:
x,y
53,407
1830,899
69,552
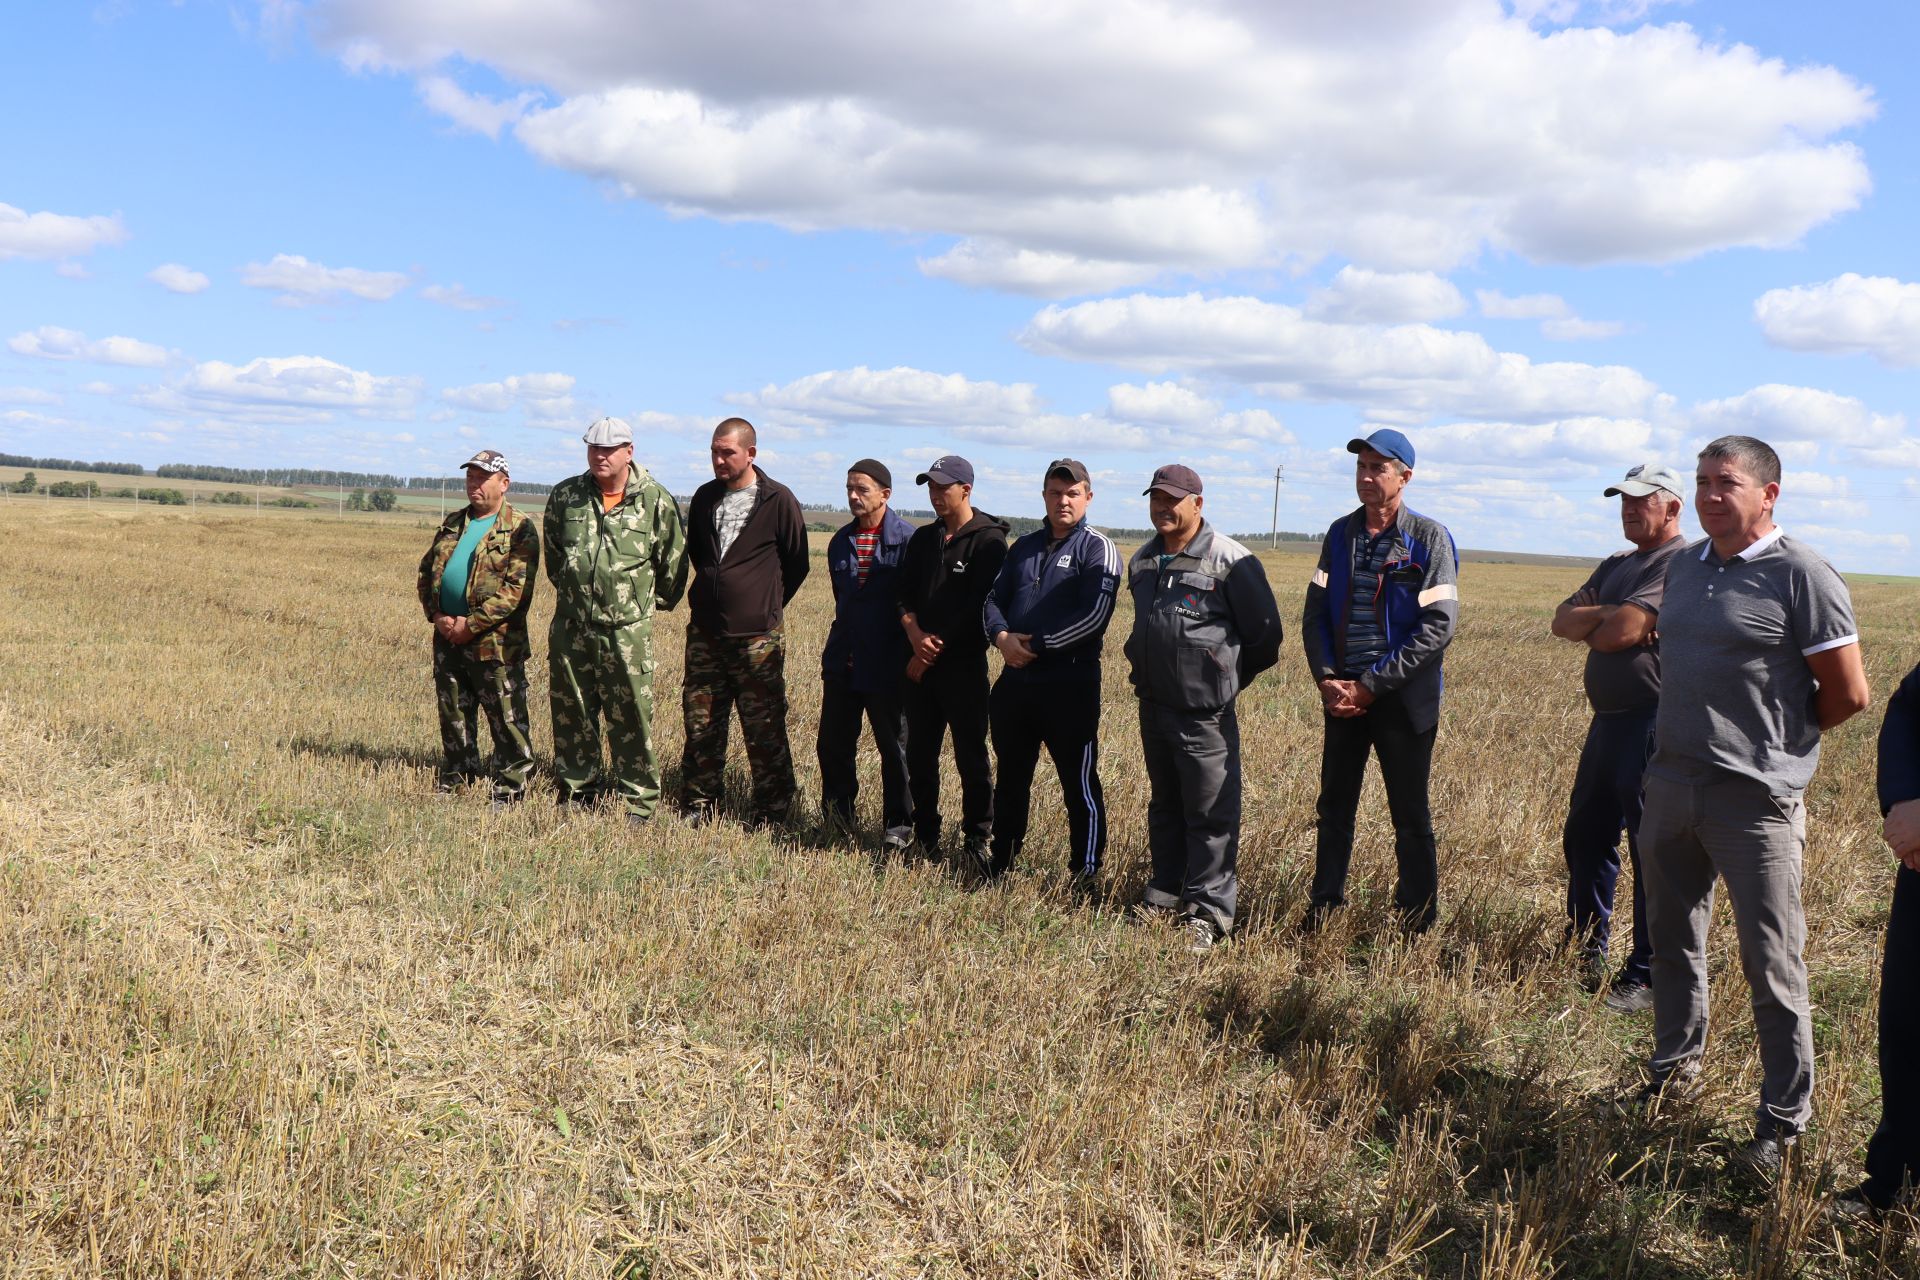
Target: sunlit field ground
x,y
270,1007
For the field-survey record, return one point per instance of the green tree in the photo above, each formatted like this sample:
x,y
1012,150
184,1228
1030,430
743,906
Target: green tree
x,y
26,483
382,500
357,500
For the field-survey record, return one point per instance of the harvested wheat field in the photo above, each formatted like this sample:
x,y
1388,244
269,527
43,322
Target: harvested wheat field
x,y
270,1007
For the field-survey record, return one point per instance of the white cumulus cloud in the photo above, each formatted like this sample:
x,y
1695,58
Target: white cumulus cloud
x,y
1776,412
1555,314
300,282
899,396
547,398
1357,294
1407,371
55,235
1080,145
51,342
175,278
471,111
1850,313
283,389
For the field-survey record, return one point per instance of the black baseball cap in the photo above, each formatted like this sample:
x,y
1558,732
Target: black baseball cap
x,y
1175,481
952,469
1070,468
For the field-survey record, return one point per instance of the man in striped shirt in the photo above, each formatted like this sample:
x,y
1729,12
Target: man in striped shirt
x,y
1048,614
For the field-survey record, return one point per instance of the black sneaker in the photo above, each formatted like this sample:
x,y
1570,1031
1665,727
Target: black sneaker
x,y
1864,1203
1629,995
1762,1155
1317,916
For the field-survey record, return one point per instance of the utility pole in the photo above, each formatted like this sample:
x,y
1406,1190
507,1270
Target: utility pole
x,y
443,499
1279,474
256,493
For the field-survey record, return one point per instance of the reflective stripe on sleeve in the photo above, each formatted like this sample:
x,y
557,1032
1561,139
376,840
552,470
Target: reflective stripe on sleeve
x,y
1433,595
1319,577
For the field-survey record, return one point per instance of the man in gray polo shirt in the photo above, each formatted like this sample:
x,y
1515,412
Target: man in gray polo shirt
x,y
1759,655
1614,616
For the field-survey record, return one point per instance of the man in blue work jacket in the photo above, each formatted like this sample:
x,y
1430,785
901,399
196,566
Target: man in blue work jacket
x,y
1048,614
865,657
1380,612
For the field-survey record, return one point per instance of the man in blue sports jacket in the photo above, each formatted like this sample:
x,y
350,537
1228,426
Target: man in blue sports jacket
x,y
1380,612
1048,614
865,656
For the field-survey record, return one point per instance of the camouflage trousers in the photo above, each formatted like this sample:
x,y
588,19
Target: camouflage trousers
x,y
750,671
465,687
603,672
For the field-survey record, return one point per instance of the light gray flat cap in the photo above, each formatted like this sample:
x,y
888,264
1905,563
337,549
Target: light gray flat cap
x,y
609,433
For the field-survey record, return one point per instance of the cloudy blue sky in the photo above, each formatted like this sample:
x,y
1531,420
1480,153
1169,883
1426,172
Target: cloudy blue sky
x,y
1546,238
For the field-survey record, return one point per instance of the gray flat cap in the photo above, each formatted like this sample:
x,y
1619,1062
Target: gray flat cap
x,y
609,433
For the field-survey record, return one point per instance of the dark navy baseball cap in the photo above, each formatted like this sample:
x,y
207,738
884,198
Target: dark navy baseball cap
x,y
1387,442
952,469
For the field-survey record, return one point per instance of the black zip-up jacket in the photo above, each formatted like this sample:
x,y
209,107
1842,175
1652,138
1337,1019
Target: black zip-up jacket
x,y
746,594
945,585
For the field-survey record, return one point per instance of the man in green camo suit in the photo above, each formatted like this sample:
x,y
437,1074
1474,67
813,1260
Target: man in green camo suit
x,y
476,584
616,551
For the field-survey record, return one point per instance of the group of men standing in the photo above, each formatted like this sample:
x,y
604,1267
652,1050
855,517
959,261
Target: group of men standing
x,y
617,551
1712,670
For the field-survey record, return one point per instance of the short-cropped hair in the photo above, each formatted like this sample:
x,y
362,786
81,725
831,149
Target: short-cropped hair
x,y
741,428
1756,457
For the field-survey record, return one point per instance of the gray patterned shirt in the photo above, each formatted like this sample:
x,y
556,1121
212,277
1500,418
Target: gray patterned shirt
x,y
731,512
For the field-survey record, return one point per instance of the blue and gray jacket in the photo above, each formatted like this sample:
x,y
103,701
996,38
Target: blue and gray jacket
x,y
1203,626
1419,606
1059,593
866,646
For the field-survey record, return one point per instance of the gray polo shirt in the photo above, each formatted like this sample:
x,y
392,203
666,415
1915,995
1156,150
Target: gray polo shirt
x,y
1735,636
1630,679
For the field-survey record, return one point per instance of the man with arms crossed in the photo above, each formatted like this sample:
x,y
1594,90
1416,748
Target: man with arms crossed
x,y
616,552
1048,615
1759,655
1614,615
1204,624
864,657
1380,612
748,544
476,585
948,568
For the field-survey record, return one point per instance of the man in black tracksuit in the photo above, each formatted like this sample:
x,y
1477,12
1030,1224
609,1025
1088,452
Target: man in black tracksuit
x,y
945,573
1048,615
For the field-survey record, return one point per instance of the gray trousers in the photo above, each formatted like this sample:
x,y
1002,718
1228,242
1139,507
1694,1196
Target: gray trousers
x,y
1731,828
1193,810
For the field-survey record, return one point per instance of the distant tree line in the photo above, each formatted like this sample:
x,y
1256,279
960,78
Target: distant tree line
x,y
289,476
67,464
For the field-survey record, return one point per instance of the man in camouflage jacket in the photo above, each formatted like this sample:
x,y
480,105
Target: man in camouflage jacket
x,y
476,585
616,551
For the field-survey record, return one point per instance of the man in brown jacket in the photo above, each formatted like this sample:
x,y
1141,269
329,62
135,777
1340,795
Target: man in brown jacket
x,y
476,584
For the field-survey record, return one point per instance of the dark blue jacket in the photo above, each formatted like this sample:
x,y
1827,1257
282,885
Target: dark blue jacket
x,y
1422,598
1900,745
866,645
1060,595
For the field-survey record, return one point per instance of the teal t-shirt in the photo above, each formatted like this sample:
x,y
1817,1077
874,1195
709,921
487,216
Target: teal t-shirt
x,y
453,583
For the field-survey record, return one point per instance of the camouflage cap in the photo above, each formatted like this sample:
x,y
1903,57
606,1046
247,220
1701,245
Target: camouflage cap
x,y
609,433
490,460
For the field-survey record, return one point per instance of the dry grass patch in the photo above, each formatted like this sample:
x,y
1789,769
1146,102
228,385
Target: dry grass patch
x,y
271,1008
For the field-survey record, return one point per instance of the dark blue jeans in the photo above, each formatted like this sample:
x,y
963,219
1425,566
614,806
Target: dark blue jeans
x,y
1893,1153
1607,795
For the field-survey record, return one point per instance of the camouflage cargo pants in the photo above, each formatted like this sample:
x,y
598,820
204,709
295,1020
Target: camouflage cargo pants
x,y
596,672
750,671
465,687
